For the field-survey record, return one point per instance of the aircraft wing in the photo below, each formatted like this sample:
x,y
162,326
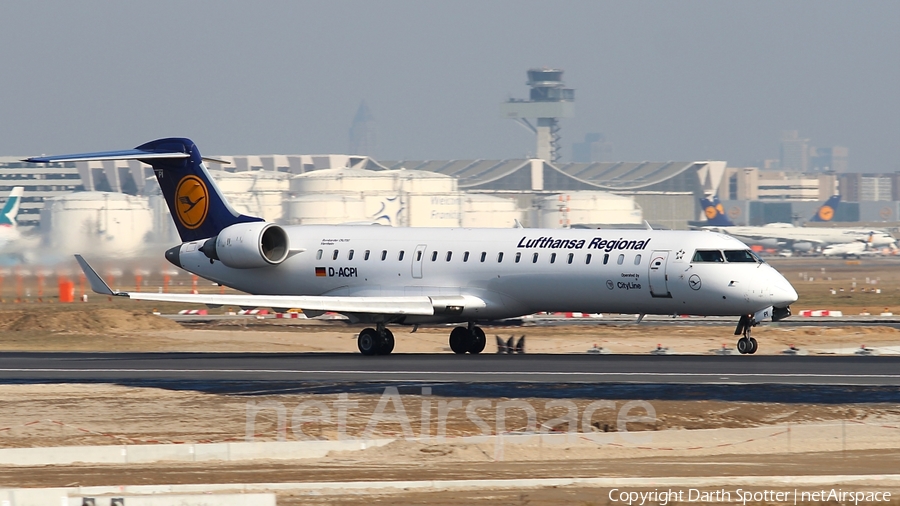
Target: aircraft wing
x,y
414,305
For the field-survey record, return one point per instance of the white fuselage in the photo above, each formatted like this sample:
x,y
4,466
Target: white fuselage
x,y
515,271
8,235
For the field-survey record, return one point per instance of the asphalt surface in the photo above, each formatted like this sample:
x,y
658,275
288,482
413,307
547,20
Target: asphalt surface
x,y
485,368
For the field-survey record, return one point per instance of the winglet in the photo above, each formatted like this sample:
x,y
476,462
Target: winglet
x,y
97,283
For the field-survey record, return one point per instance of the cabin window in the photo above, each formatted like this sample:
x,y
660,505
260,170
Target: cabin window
x,y
534,258
483,256
637,260
621,259
350,255
400,256
518,257
466,256
449,255
605,258
740,255
499,257
552,258
334,257
587,259
383,255
712,255
366,257
434,256
571,258
319,255
419,256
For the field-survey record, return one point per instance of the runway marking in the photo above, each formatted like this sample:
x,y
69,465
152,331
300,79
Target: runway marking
x,y
489,373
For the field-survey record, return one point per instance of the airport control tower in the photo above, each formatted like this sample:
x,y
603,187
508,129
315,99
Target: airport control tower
x,y
549,101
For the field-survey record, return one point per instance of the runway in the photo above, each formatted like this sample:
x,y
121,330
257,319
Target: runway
x,y
441,368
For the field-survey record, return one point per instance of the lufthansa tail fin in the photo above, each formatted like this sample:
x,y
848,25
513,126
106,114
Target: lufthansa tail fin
x,y
715,212
828,209
11,208
198,208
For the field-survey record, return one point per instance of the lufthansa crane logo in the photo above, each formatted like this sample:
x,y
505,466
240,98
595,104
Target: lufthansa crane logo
x,y
191,201
826,213
710,212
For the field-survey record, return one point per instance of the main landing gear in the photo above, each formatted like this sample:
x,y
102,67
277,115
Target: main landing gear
x,y
746,345
469,339
378,341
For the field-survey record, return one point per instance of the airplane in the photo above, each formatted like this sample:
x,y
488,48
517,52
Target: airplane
x,y
853,249
380,276
8,231
786,235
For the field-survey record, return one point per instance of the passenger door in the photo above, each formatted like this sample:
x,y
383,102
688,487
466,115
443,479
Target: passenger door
x,y
418,258
659,281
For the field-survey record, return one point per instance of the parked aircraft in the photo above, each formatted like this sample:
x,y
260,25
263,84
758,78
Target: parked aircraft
x,y
384,276
786,235
855,249
9,233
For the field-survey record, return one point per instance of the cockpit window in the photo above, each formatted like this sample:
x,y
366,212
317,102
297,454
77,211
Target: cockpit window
x,y
708,256
740,255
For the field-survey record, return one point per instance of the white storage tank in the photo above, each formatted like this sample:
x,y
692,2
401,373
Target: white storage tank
x,y
96,223
343,180
254,193
325,209
486,211
587,207
357,180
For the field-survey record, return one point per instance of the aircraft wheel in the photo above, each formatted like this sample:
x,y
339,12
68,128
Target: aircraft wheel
x,y
368,342
753,346
477,340
744,346
459,340
387,343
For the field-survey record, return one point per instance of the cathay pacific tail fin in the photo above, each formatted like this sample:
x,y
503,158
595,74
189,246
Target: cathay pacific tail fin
x,y
11,208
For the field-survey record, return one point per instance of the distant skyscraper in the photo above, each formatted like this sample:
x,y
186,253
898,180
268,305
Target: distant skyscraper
x,y
794,152
362,132
829,159
593,149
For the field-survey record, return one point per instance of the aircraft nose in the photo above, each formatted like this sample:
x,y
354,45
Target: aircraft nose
x,y
783,294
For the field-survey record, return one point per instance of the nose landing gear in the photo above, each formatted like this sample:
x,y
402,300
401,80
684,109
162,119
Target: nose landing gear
x,y
469,339
746,345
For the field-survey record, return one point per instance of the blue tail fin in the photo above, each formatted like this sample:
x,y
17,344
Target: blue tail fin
x,y
197,206
828,209
715,212
11,208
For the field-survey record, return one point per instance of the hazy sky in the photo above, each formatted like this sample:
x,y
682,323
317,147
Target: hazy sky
x,y
678,80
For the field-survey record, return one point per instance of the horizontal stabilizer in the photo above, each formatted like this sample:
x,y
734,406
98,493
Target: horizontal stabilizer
x,y
127,154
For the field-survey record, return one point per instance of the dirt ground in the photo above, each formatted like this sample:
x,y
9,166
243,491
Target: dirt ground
x,y
697,438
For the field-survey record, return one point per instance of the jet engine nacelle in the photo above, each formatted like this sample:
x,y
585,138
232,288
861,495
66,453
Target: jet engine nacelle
x,y
803,246
249,245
